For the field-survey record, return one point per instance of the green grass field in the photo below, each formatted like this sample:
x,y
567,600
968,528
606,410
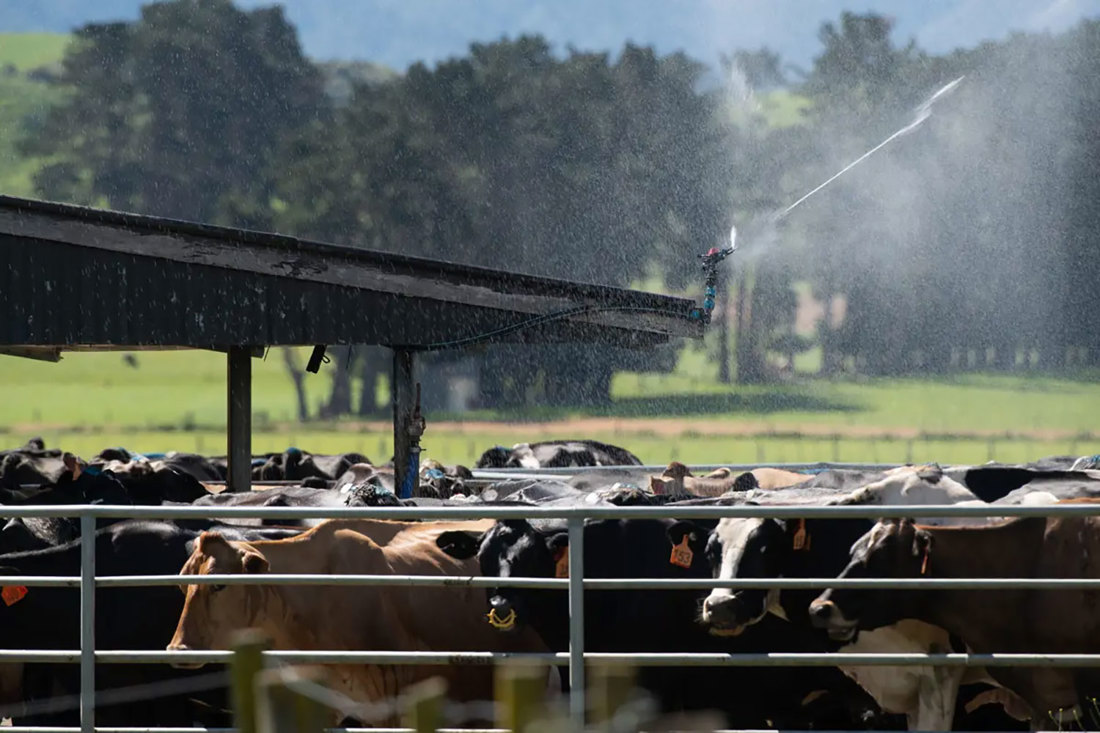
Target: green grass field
x,y
176,400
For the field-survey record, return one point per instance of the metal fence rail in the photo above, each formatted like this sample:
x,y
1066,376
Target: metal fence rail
x,y
573,518
489,581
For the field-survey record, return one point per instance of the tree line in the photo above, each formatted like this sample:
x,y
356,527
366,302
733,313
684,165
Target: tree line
x,y
969,243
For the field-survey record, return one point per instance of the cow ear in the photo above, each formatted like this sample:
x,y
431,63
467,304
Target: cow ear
x,y
931,472
459,545
922,543
679,530
255,563
558,541
212,543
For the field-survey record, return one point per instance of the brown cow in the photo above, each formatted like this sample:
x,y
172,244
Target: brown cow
x,y
387,618
1006,621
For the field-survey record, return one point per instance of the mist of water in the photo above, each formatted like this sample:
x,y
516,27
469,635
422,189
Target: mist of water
x,y
924,111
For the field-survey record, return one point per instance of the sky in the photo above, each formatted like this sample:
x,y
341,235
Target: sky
x,y
399,32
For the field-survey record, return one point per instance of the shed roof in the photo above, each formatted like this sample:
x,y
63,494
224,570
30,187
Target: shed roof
x,y
74,277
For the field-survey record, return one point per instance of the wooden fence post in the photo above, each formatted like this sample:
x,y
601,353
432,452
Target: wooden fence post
x,y
248,647
520,689
423,703
283,709
609,690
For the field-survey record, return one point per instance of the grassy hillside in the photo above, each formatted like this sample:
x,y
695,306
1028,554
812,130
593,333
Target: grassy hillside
x,y
26,51
24,97
176,400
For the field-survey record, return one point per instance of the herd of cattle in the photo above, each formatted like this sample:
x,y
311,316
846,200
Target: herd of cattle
x,y
459,618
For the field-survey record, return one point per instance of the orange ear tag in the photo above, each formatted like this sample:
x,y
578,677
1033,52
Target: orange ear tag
x,y
561,568
801,539
924,564
682,554
13,594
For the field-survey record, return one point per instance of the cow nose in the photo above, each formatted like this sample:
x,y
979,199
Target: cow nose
x,y
174,647
720,610
821,613
501,614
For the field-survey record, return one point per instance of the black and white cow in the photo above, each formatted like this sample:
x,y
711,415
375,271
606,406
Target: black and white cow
x,y
657,621
818,548
557,454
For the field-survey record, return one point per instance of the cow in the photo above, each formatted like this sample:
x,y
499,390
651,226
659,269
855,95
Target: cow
x,y
440,482
1007,621
31,464
126,618
652,620
678,479
152,479
194,465
73,486
281,496
816,548
557,454
532,491
295,464
349,617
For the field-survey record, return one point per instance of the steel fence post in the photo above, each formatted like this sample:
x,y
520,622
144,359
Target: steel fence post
x,y
87,623
576,623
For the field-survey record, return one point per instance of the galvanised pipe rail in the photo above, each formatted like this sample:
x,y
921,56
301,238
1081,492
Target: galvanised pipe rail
x,y
74,729
489,581
561,659
741,511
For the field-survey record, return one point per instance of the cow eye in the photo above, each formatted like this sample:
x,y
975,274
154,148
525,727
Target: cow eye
x,y
216,588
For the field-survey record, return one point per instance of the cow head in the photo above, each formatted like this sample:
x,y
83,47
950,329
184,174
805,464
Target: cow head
x,y
744,548
911,485
892,549
511,548
495,457
211,613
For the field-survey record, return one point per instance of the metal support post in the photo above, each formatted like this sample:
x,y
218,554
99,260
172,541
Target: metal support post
x,y
576,623
240,418
408,424
87,623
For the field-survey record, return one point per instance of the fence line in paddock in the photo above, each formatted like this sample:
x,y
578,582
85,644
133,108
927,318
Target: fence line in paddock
x,y
574,518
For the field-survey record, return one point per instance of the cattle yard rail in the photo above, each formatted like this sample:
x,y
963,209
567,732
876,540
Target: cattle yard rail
x,y
575,658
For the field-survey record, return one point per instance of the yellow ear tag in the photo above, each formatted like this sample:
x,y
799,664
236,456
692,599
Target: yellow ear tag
x,y
682,554
801,538
561,567
13,594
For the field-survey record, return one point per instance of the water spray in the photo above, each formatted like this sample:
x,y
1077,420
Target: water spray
x,y
923,112
715,255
